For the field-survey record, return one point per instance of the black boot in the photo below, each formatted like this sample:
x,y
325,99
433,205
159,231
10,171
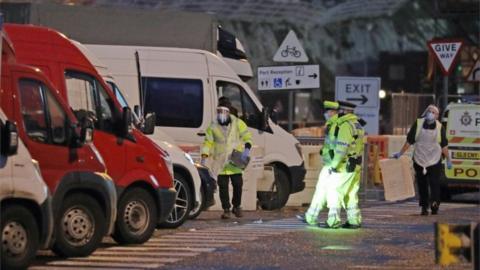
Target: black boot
x,y
424,211
226,214
434,208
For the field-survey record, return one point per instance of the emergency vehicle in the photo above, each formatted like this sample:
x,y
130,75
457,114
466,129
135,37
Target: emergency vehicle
x,y
463,134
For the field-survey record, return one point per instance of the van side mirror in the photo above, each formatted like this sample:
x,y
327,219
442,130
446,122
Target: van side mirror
x,y
149,124
9,142
273,114
137,111
126,126
264,119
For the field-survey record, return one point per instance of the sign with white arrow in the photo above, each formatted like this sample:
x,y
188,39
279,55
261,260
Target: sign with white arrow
x,y
445,52
474,75
290,50
288,77
362,91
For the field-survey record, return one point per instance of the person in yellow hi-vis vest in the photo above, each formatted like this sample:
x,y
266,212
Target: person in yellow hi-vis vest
x,y
225,134
430,141
319,199
354,163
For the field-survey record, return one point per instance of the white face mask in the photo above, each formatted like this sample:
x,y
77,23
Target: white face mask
x,y
222,118
327,116
430,116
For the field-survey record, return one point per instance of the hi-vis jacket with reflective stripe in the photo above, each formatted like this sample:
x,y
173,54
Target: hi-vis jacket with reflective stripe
x,y
328,144
221,140
348,141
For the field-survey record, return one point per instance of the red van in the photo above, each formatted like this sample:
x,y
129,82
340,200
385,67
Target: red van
x,y
84,196
141,170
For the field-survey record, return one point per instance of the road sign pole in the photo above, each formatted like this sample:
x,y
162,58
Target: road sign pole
x,y
290,110
445,92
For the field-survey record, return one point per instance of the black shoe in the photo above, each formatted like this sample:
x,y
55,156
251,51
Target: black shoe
x,y
326,226
226,214
237,211
301,217
424,211
434,208
347,225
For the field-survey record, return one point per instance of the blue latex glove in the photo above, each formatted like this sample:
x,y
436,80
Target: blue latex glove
x,y
449,164
397,155
245,154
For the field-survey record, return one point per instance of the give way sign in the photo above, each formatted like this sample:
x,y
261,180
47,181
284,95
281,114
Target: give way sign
x,y
445,52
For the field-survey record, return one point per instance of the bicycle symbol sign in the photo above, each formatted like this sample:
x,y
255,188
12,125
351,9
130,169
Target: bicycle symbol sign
x,y
290,50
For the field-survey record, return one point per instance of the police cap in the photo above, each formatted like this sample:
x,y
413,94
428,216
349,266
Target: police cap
x,y
330,105
346,105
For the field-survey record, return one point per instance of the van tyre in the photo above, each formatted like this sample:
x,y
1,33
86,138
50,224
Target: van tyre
x,y
183,203
195,212
19,237
278,197
136,217
79,226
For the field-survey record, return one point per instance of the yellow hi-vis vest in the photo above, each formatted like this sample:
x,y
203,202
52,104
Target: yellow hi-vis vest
x,y
420,122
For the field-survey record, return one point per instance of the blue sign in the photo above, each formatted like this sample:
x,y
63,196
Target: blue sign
x,y
277,82
1,21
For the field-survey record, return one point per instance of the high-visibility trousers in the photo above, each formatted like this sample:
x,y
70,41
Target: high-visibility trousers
x,y
340,185
354,216
319,199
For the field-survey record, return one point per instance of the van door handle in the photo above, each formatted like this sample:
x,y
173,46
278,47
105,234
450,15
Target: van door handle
x,y
201,134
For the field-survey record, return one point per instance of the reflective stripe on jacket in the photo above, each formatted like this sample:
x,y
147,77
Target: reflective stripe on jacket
x,y
221,140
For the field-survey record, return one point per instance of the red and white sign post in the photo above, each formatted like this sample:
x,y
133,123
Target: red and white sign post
x,y
445,52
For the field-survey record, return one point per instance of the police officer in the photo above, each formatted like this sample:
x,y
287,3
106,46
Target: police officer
x,y
429,139
319,200
225,134
350,200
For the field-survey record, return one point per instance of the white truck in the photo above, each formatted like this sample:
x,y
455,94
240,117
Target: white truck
x,y
194,188
182,87
26,220
463,134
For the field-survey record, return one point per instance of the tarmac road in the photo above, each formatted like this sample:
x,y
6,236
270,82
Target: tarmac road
x,y
393,236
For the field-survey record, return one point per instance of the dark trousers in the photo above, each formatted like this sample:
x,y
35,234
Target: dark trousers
x,y
428,184
237,183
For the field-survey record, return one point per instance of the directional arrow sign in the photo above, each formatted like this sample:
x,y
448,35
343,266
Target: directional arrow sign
x,y
362,91
288,77
445,52
474,75
362,99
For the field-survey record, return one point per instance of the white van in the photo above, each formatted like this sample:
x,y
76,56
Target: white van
x,y
182,87
194,190
26,211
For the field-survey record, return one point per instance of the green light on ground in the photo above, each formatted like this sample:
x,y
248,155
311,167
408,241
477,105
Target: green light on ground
x,y
337,247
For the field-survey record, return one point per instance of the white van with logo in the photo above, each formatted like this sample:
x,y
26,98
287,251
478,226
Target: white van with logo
x,y
182,87
463,134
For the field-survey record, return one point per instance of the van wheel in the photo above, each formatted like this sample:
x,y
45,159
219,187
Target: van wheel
x,y
136,218
183,203
278,197
19,237
79,227
195,212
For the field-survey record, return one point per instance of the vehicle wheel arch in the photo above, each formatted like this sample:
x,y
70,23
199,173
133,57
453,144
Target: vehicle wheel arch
x,y
284,168
187,176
